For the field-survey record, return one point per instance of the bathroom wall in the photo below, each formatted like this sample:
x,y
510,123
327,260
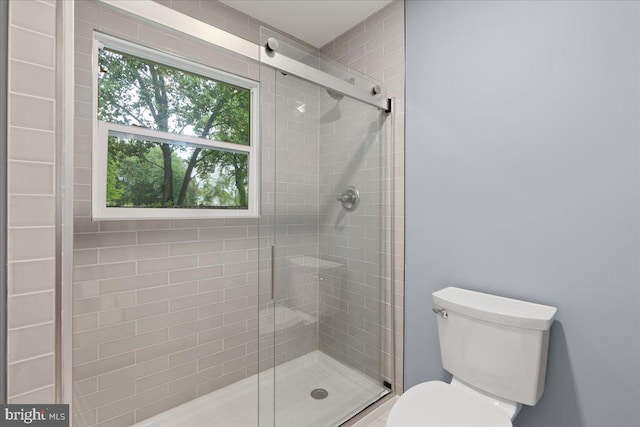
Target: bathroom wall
x,y
354,273
165,311
291,215
374,47
523,180
31,201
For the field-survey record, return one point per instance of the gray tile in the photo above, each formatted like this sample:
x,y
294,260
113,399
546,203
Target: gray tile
x,y
30,112
100,398
44,395
103,335
133,283
131,373
31,178
192,381
29,342
102,366
34,80
164,377
197,300
101,240
31,276
195,274
135,342
105,271
85,354
167,236
103,302
166,292
166,320
29,375
30,309
141,252
167,264
163,349
196,247
139,311
32,144
32,47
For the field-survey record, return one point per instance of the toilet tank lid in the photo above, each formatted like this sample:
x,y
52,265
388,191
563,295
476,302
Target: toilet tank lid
x,y
492,308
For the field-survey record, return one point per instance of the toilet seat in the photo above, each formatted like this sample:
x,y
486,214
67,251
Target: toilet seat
x,y
438,404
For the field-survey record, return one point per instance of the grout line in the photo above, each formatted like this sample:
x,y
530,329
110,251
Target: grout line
x,y
41,356
33,129
31,227
31,326
42,98
31,391
22,61
30,260
32,293
33,31
29,162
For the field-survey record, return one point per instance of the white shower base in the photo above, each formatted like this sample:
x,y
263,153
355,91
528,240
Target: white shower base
x,y
235,405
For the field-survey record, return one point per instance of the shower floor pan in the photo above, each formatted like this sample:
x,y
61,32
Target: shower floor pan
x,y
235,405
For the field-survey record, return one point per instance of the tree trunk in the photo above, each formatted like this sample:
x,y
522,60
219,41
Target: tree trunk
x,y
193,160
167,184
187,176
239,172
160,111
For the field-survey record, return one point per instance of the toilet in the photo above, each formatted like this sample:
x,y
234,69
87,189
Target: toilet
x,y
496,350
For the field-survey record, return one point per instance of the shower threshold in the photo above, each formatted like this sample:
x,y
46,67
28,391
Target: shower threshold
x,y
349,392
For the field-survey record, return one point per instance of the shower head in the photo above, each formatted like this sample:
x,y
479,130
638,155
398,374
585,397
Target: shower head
x,y
337,95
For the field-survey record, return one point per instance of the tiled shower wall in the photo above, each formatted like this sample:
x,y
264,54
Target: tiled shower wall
x,y
353,245
31,201
165,311
375,47
295,217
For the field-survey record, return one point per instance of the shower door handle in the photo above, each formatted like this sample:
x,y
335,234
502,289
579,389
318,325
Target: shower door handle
x,y
273,271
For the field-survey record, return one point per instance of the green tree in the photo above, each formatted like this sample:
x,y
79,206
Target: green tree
x,y
142,93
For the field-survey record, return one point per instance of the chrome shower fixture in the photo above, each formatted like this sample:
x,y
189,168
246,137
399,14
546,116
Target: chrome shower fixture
x,y
337,95
350,198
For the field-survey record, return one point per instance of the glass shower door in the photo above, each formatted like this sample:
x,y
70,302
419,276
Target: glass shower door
x,y
324,352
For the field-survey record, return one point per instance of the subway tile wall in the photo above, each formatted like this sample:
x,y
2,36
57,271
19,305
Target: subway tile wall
x,y
181,276
166,311
375,47
355,276
295,217
31,201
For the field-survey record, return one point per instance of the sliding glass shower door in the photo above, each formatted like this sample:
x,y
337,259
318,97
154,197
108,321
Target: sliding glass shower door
x,y
324,348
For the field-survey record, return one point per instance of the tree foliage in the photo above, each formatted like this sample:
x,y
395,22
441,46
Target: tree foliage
x,y
144,173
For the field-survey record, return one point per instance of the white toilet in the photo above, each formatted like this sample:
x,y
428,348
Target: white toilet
x,y
496,350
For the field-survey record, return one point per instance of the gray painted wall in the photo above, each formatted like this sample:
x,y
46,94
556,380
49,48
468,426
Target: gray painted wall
x,y
523,180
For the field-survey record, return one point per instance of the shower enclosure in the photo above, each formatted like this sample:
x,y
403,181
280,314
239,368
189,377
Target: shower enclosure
x,y
324,301
284,320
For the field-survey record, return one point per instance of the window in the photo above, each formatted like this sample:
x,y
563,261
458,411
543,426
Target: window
x,y
172,138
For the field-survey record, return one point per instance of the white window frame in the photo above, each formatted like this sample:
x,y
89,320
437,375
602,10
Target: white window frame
x,y
101,129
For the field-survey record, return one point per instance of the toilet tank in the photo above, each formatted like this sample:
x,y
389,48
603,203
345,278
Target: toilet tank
x,y
498,345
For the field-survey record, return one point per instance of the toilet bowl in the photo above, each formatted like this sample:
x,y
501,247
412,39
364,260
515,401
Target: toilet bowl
x,y
496,348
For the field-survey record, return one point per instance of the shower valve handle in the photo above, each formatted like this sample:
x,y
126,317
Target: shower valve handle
x,y
350,198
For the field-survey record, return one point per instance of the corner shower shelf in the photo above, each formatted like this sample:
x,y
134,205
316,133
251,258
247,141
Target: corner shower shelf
x,y
311,261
